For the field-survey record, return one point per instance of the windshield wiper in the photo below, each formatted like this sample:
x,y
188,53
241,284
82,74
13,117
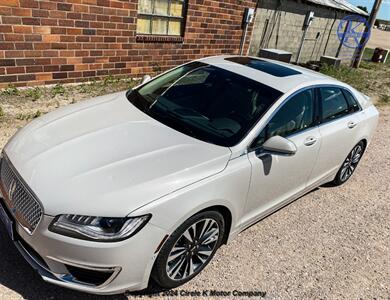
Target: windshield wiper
x,y
173,118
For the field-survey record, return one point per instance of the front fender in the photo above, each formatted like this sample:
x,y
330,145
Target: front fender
x,y
228,188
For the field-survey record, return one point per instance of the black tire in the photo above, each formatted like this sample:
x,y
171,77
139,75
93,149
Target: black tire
x,y
160,274
349,165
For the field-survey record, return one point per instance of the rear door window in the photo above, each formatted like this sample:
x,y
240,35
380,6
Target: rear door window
x,y
353,104
333,103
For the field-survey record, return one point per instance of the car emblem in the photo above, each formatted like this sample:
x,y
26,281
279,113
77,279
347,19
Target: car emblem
x,y
11,190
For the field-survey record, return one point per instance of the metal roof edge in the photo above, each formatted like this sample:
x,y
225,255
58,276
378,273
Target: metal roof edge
x,y
340,4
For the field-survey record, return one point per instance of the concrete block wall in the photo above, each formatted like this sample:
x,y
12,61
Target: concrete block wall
x,y
278,24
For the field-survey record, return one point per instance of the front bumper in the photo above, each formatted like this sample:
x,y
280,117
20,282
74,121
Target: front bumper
x,y
93,267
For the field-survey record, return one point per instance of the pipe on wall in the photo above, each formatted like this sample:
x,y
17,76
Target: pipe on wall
x,y
330,31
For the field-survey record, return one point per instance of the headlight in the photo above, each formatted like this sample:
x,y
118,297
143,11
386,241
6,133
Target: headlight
x,y
100,229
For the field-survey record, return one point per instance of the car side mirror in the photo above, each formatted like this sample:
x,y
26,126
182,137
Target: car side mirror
x,y
145,79
280,145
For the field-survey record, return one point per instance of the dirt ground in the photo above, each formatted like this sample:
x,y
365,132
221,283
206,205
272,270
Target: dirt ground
x,y
379,38
333,243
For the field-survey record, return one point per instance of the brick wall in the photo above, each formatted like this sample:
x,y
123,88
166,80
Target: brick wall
x,y
46,42
280,26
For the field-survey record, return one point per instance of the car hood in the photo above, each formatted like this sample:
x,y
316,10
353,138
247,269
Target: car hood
x,y
105,157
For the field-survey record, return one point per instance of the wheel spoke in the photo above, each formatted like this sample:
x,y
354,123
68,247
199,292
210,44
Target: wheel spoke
x,y
177,254
356,158
193,227
205,252
191,267
187,235
210,236
201,258
210,240
204,228
344,173
185,268
358,149
176,268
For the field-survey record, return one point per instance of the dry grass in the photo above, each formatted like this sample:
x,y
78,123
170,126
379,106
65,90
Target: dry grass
x,y
384,100
372,79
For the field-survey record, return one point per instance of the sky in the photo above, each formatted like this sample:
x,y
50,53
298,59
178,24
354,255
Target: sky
x,y
384,11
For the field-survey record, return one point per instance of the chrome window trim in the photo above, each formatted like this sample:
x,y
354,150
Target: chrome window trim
x,y
249,149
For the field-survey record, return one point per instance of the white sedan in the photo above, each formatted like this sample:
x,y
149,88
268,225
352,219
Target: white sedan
x,y
103,195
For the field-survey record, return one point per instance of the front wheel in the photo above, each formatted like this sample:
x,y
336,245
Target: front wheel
x,y
189,249
349,165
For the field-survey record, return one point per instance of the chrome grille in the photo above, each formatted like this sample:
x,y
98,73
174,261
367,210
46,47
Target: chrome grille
x,y
19,200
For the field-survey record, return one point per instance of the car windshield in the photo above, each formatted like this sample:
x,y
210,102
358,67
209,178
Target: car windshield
x,y
205,102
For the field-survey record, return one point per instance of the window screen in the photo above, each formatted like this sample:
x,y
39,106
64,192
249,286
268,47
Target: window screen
x,y
161,17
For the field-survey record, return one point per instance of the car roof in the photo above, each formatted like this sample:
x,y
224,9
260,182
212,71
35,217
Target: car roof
x,y
278,75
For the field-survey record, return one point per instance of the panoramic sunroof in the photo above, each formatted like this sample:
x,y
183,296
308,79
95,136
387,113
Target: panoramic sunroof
x,y
264,66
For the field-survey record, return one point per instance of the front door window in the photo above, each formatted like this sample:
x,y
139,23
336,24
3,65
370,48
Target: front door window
x,y
294,116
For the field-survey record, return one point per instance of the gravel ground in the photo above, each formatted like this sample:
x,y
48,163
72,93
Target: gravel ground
x,y
333,243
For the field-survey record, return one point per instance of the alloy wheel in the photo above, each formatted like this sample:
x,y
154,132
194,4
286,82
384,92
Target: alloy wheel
x,y
351,162
193,249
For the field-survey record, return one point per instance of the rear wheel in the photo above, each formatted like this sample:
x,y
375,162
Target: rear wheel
x,y
349,165
189,249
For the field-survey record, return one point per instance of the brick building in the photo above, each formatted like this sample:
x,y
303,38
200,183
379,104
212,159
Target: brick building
x,y
51,41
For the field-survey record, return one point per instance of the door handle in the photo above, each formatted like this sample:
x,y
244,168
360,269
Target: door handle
x,y
351,124
311,140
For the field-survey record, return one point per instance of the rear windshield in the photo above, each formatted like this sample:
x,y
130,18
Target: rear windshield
x,y
205,102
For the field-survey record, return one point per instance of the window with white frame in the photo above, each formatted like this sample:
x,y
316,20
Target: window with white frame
x,y
161,17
